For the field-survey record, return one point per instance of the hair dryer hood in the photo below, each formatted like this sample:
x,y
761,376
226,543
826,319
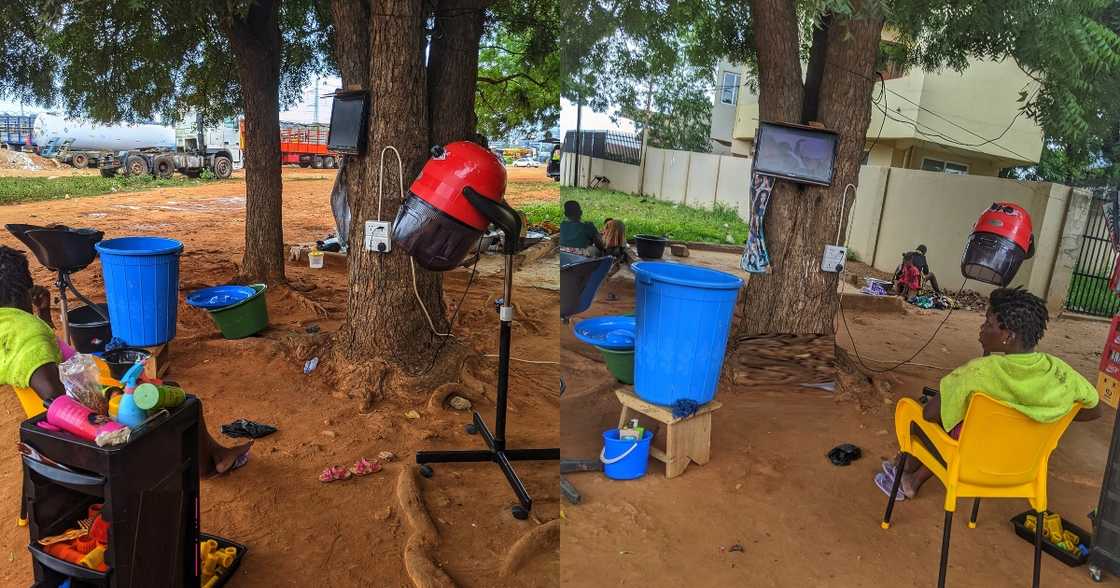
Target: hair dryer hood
x,y
436,224
1001,240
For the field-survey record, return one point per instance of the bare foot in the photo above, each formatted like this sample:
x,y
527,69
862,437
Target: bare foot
x,y
223,459
907,486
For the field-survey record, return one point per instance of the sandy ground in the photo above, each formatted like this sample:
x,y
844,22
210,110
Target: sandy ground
x,y
299,531
769,487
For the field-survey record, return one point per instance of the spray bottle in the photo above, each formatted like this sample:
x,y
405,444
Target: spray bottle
x,y
128,413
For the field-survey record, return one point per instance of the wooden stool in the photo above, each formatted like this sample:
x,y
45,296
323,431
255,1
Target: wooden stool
x,y
686,439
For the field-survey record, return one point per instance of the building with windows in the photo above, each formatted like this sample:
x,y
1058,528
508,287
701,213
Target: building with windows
x,y
966,122
730,87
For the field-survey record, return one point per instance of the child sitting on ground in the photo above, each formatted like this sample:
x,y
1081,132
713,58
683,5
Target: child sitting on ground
x,y
30,354
579,237
1037,384
614,241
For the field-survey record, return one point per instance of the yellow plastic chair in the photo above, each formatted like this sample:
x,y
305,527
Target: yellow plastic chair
x,y
1002,453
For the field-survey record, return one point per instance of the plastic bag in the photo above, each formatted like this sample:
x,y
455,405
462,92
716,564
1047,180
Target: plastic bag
x,y
81,378
340,206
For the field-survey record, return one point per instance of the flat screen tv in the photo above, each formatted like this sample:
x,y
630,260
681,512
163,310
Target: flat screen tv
x,y
796,153
349,120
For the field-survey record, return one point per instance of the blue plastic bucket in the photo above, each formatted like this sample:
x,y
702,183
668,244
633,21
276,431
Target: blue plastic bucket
x,y
624,460
684,316
141,287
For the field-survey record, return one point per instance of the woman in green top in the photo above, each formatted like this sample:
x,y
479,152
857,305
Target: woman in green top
x,y
578,237
1037,384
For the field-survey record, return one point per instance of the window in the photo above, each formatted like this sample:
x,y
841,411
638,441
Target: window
x,y
936,165
729,88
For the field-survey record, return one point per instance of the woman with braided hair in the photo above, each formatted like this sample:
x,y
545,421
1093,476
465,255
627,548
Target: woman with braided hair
x,y
1037,384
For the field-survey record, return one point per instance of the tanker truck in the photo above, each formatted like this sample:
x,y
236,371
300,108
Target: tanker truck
x,y
83,143
197,148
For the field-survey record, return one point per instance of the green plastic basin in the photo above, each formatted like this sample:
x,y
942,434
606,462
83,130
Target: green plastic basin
x,y
620,364
246,318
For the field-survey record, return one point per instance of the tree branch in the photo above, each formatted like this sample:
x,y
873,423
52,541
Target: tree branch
x,y
509,78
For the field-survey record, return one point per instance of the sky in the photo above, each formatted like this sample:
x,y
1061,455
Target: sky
x,y
590,120
303,112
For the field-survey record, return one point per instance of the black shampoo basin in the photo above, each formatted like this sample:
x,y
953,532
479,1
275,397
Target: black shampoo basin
x,y
58,247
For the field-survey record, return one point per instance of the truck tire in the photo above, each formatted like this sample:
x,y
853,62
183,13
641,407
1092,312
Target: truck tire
x,y
80,161
108,172
317,162
165,168
223,167
136,166
329,162
304,163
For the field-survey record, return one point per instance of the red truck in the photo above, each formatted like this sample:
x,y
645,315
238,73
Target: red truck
x,y
304,145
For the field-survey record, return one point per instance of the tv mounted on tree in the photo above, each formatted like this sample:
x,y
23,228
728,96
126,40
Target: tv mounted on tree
x,y
797,153
349,120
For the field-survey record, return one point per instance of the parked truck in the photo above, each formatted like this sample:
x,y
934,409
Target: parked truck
x,y
83,144
305,145
198,148
15,130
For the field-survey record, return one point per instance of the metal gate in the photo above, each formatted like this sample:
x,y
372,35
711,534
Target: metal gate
x,y
1088,289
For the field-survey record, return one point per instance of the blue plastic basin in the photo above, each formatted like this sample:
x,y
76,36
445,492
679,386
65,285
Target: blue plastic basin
x,y
616,333
219,296
684,316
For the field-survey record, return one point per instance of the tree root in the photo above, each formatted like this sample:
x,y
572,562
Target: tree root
x,y
440,396
418,563
542,538
871,391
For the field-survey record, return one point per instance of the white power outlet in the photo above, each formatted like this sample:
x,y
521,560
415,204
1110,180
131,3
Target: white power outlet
x,y
377,236
834,258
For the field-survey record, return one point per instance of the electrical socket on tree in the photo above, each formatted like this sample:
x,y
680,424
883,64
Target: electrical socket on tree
x,y
377,236
834,258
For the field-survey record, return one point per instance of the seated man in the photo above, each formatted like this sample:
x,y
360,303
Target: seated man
x,y
30,354
577,236
1037,384
917,259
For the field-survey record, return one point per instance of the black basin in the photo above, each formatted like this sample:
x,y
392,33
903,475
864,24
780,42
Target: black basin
x,y
122,359
59,248
89,329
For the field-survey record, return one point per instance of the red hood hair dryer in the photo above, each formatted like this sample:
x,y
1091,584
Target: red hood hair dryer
x,y
439,222
456,197
1000,242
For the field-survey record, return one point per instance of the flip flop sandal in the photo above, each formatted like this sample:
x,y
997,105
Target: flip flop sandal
x,y
884,483
239,462
364,467
888,468
334,474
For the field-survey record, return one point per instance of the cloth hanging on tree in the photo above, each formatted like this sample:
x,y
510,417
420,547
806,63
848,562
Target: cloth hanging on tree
x,y
756,259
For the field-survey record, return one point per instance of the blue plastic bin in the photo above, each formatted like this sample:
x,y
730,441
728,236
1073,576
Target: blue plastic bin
x,y
684,315
624,460
141,287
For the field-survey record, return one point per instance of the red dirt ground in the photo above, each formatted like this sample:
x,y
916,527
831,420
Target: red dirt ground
x,y
770,488
299,531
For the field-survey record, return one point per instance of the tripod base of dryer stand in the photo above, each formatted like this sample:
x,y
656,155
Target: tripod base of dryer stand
x,y
496,452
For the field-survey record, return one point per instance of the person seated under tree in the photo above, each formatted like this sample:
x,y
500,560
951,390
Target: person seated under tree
x,y
1037,384
579,237
30,354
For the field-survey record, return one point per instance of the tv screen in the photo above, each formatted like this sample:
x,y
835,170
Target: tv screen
x,y
349,117
799,154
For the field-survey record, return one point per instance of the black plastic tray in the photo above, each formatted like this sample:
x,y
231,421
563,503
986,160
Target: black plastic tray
x,y
66,568
1019,522
222,543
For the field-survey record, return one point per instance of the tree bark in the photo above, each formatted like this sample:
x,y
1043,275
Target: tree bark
x,y
256,42
453,70
383,318
797,297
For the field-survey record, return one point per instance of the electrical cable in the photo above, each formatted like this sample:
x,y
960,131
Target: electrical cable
x,y
525,360
883,97
855,349
454,315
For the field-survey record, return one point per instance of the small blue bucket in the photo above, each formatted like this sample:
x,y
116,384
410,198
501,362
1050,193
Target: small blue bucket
x,y
624,460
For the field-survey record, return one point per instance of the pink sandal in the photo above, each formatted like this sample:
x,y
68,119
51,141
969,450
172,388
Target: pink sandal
x,y
334,474
364,467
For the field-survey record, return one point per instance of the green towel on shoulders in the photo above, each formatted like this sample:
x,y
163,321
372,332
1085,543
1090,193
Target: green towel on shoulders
x,y
1038,385
26,344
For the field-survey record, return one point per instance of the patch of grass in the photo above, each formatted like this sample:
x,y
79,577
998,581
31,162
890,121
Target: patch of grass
x,y
646,216
14,190
1091,295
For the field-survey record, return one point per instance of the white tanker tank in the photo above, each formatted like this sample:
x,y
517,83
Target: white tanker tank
x,y
88,136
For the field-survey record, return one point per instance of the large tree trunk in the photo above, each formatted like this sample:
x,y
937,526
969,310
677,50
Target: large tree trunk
x,y
453,70
255,40
383,318
797,297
